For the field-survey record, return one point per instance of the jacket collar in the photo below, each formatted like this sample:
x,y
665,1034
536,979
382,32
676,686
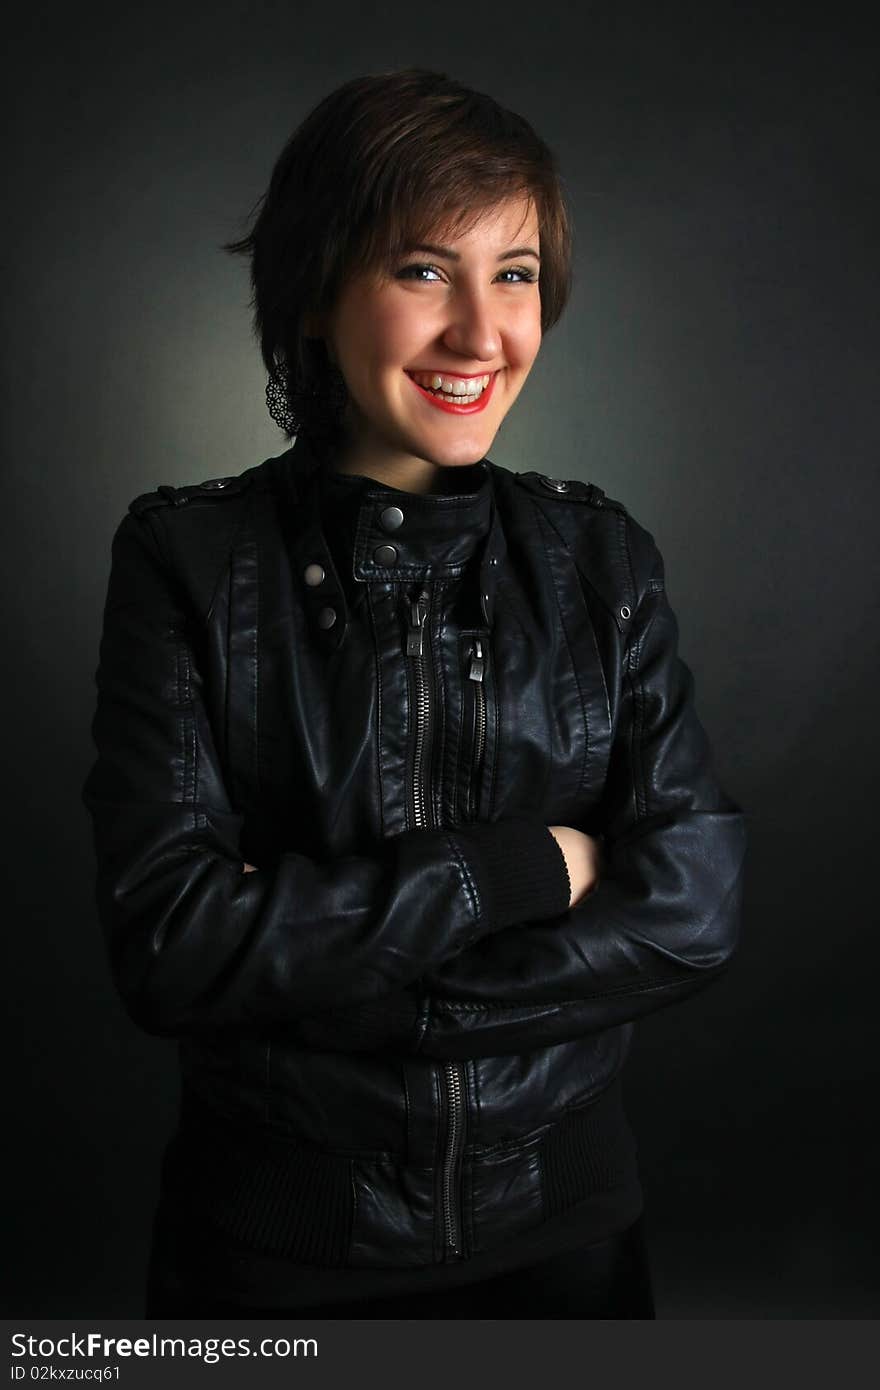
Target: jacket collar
x,y
352,529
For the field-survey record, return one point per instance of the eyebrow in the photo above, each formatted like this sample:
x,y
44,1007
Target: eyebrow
x,y
454,255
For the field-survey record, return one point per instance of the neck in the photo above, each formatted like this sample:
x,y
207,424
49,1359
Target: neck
x,y
362,452
406,474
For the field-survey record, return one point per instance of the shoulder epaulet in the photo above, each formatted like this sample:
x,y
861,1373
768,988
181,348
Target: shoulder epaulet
x,y
168,496
567,489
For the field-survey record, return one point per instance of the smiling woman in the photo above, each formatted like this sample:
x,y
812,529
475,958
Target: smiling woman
x,y
432,366
449,255
403,812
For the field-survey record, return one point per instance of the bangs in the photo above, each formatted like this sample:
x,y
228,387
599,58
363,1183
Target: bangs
x,y
436,217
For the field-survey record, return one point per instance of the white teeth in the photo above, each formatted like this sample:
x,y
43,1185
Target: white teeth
x,y
461,389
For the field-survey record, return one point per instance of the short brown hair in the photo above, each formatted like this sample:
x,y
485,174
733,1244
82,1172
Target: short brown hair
x,y
381,162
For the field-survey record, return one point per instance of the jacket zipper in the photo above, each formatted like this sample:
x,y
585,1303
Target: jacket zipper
x,y
454,1133
415,648
417,626
476,670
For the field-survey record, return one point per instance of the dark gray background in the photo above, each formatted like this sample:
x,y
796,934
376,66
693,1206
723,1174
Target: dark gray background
x,y
716,370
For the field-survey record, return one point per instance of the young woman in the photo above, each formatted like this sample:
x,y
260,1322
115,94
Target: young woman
x,y
402,810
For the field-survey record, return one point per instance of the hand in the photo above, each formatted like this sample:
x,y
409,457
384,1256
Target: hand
x,y
582,858
249,869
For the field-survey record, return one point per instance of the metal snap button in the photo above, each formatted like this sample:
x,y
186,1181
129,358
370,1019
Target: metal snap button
x,y
313,574
625,612
327,617
556,484
385,555
391,518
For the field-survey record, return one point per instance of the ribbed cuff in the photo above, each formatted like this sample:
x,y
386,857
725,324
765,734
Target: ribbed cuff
x,y
518,867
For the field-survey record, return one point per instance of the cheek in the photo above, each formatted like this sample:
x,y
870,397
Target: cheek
x,y
527,351
395,336
382,347
526,337
363,327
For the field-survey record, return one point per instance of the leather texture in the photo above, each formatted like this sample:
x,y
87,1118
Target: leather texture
x,y
357,994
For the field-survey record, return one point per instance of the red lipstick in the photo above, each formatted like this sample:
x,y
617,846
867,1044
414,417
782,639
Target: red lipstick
x,y
471,409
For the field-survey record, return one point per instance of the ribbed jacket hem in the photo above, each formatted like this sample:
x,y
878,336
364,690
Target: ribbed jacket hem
x,y
251,1216
249,1188
591,1149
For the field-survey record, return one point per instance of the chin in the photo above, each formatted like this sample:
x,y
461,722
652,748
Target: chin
x,y
459,454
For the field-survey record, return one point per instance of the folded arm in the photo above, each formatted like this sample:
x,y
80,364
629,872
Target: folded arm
x,y
663,920
195,942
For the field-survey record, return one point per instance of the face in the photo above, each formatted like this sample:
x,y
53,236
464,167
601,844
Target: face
x,y
436,348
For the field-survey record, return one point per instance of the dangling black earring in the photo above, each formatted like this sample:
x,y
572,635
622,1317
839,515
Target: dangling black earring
x,y
315,406
279,404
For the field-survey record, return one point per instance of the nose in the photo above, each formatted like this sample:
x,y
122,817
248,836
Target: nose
x,y
472,330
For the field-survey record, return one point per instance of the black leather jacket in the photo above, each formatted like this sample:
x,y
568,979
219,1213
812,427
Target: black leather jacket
x,y
295,675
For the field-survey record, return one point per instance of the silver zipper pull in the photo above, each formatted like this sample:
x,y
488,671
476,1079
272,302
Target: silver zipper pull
x,y
478,661
418,609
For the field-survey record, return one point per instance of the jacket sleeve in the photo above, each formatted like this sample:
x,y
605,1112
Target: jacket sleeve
x,y
196,944
663,919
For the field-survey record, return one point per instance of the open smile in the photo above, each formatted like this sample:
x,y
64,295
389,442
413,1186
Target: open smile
x,y
467,395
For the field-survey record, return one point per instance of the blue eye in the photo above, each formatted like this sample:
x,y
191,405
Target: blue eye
x,y
412,272
526,276
406,272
